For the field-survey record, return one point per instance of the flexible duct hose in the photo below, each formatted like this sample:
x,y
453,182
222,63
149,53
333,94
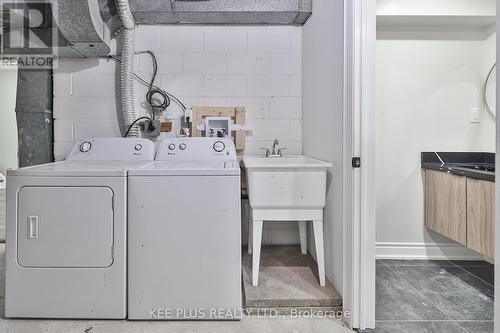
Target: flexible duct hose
x,y
123,8
127,65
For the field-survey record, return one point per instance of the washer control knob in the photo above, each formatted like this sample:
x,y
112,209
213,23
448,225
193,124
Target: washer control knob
x,y
219,146
138,147
85,147
182,146
171,146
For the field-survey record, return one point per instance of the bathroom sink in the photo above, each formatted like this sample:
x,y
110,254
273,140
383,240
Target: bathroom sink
x,y
479,167
291,182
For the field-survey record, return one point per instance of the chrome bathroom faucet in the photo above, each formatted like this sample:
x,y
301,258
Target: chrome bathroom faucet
x,y
274,152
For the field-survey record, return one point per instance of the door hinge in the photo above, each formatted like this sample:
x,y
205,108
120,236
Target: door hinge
x,y
356,162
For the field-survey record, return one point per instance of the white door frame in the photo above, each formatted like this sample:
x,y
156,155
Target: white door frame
x,y
497,198
359,184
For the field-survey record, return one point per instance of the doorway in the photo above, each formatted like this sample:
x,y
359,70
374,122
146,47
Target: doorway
x,y
431,245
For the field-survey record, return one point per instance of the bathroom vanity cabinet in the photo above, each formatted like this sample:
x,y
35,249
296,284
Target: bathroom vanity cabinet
x,y
481,216
446,204
461,208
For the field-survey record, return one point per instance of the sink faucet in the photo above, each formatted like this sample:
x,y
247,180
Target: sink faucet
x,y
274,152
275,144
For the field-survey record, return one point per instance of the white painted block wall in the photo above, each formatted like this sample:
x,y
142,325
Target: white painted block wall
x,y
257,67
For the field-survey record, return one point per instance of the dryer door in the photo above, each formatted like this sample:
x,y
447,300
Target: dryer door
x,y
65,227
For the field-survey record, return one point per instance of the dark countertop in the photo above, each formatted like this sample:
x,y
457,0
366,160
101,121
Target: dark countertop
x,y
474,165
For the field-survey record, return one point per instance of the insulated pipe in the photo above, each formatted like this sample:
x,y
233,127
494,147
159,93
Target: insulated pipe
x,y
127,65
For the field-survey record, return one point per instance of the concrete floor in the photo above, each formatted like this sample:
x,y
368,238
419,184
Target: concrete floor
x,y
253,323
248,324
287,280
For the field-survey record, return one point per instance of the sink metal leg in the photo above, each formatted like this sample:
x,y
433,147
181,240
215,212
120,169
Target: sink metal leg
x,y
256,243
320,252
303,236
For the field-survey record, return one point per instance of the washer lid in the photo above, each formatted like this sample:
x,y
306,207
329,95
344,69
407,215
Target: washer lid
x,y
187,168
79,169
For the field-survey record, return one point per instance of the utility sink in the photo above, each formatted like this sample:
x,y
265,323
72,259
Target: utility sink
x,y
291,182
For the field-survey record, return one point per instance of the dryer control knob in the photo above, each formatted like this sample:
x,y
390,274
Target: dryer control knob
x,y
219,146
171,146
182,146
138,147
85,147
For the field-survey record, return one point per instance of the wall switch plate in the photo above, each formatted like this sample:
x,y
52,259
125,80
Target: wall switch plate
x,y
474,116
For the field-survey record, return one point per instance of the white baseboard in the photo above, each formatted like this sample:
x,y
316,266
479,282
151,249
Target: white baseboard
x,y
433,251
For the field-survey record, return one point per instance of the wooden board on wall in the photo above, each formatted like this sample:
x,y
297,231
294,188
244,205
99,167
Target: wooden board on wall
x,y
237,114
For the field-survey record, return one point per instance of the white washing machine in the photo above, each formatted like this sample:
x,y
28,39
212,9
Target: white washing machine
x,y
184,237
66,232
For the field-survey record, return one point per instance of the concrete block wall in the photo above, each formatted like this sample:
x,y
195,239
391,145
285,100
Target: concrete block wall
x,y
255,66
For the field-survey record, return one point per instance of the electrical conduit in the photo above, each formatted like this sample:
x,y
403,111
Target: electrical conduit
x,y
127,65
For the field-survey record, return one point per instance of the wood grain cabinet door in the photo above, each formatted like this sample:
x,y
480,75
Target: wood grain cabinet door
x,y
481,216
445,204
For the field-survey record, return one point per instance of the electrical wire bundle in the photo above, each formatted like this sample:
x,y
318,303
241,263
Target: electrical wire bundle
x,y
158,99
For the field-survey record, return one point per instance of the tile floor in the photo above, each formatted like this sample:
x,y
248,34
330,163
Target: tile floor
x,y
434,296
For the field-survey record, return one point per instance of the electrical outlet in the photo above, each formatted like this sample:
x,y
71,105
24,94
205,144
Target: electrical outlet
x,y
474,116
152,133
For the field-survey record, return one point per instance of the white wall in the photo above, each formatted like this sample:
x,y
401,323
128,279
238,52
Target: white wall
x,y
323,38
256,67
8,124
424,93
